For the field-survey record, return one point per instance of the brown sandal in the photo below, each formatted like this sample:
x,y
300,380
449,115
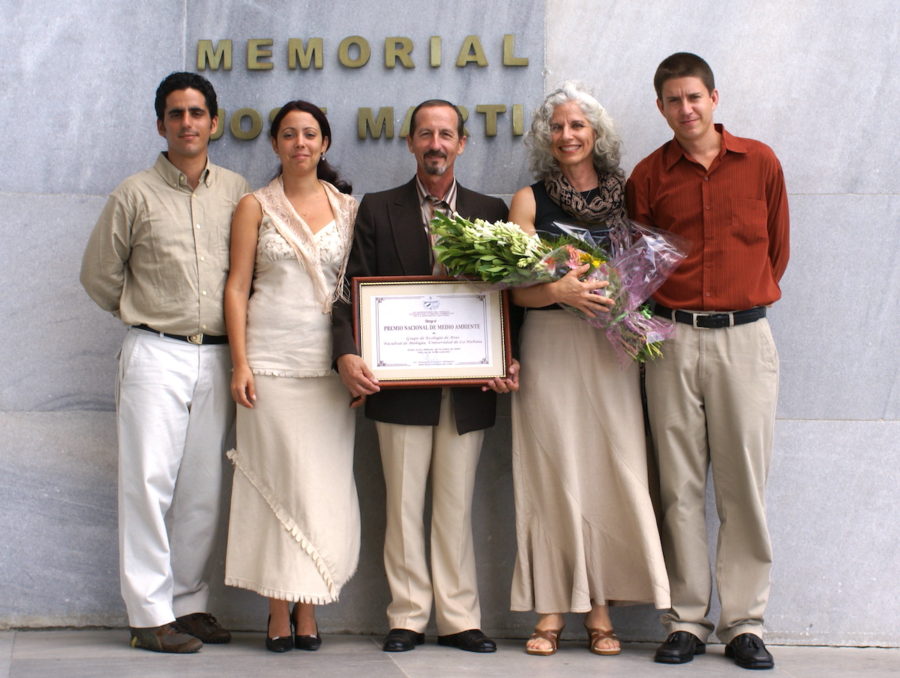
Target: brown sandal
x,y
551,636
597,635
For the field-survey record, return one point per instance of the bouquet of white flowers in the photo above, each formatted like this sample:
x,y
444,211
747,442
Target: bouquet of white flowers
x,y
641,259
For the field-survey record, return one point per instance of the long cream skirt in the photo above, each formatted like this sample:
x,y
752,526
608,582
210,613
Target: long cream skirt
x,y
585,525
294,528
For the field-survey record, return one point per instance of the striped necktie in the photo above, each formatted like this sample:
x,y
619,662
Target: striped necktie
x,y
436,205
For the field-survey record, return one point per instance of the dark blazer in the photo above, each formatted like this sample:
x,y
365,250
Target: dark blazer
x,y
390,239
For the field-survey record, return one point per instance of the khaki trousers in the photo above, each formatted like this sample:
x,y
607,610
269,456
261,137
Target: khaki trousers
x,y
712,401
174,416
408,454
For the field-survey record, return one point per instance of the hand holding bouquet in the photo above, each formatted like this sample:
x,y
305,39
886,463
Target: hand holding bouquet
x,y
639,261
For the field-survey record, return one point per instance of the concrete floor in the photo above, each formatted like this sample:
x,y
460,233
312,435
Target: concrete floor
x,y
92,653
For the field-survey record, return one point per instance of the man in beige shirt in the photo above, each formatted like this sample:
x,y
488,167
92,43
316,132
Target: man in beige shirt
x,y
157,259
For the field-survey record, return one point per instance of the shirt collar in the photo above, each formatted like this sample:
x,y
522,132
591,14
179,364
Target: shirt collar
x,y
730,144
450,198
176,178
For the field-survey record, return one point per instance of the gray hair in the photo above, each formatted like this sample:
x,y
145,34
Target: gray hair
x,y
606,148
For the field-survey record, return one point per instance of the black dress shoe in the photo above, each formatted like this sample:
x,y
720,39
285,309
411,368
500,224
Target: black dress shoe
x,y
749,652
679,648
279,643
472,640
402,640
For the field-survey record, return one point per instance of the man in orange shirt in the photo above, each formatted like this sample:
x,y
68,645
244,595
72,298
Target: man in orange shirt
x,y
712,397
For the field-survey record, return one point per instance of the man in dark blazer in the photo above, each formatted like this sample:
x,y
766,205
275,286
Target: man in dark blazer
x,y
423,430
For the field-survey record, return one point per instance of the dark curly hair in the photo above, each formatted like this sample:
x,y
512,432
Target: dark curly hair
x,y
178,81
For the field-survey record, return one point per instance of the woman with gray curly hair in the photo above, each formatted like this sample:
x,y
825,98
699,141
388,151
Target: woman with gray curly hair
x,y
585,526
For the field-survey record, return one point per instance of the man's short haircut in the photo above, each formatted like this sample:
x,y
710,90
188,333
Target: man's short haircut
x,y
431,103
178,81
683,65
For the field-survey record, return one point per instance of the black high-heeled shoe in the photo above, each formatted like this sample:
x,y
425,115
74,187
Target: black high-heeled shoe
x,y
308,643
279,643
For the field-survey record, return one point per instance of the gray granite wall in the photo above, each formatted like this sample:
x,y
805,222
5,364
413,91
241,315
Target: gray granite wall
x,y
815,80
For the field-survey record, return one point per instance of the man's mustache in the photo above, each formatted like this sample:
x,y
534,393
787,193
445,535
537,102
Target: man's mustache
x,y
435,154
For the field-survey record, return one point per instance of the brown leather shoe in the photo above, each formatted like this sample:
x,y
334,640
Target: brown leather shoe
x,y
165,638
204,626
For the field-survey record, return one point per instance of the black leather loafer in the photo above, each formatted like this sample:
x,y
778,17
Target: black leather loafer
x,y
749,652
402,640
472,640
679,648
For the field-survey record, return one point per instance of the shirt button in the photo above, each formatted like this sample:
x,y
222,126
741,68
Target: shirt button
x,y
202,258
203,327
706,207
705,178
203,293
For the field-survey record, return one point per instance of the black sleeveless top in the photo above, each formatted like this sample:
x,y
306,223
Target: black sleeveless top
x,y
546,212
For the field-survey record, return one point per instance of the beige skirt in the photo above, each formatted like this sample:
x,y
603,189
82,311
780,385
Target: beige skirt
x,y
294,528
585,525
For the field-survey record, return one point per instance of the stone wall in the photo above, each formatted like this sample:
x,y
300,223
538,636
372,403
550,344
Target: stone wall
x,y
815,80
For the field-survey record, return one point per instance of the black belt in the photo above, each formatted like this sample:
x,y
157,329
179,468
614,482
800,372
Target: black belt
x,y
191,339
712,321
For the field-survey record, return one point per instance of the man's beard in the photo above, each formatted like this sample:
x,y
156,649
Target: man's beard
x,y
435,170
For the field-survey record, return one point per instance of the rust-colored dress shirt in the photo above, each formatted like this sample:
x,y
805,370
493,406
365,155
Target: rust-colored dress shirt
x,y
735,216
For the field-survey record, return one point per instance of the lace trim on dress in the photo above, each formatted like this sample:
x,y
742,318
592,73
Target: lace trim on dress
x,y
300,237
290,525
292,374
278,594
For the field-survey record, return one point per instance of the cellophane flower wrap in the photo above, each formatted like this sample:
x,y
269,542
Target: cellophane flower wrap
x,y
636,263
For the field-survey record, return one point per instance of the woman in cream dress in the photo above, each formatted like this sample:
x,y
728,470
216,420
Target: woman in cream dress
x,y
294,527
585,526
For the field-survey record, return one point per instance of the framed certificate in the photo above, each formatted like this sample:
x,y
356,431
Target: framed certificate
x,y
431,331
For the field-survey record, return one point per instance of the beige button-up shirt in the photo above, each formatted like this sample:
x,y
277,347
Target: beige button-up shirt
x,y
158,255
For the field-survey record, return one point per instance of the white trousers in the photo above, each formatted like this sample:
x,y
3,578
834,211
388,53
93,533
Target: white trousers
x,y
408,453
175,415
